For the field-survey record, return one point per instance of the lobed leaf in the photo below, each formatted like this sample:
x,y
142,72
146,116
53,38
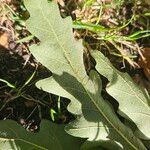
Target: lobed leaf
x,y
63,55
133,101
51,136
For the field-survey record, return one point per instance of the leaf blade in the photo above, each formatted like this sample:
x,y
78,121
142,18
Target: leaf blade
x,y
133,102
72,75
15,137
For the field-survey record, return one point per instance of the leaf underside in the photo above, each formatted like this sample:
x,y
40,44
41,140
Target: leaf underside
x,y
63,56
133,101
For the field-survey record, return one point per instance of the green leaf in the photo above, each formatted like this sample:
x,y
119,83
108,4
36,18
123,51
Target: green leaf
x,y
133,101
50,137
97,131
63,55
51,86
93,130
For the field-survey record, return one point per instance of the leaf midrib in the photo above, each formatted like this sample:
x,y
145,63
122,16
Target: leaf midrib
x,y
69,61
57,39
